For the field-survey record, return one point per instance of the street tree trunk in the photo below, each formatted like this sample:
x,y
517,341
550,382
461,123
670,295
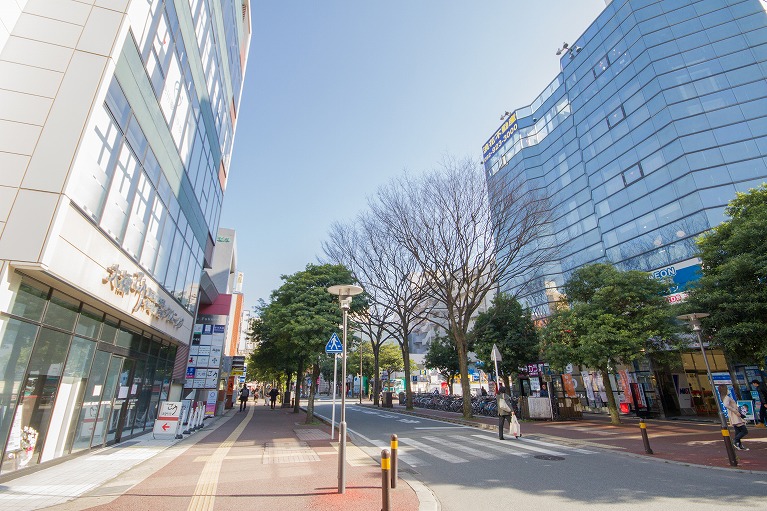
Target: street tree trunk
x,y
612,407
297,393
312,393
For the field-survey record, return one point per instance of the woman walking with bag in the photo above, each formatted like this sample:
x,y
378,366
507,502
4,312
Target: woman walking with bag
x,y
504,410
737,422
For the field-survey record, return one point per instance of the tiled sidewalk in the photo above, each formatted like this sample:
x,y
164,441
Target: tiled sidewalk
x,y
79,475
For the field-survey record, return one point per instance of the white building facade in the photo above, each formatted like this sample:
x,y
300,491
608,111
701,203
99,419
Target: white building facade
x,y
117,120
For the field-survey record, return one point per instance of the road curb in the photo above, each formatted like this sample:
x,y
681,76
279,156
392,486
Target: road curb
x,y
427,501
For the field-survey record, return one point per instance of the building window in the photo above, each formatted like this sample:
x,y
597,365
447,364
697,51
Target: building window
x,y
616,116
601,66
632,174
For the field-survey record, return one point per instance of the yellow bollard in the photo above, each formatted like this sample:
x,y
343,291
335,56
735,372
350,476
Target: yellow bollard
x,y
394,446
385,481
646,441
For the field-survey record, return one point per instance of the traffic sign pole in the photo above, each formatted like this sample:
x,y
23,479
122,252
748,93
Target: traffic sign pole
x,y
333,414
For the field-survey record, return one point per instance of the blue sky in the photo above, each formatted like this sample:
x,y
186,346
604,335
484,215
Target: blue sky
x,y
342,95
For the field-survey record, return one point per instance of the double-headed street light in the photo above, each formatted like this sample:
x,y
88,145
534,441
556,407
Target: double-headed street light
x,y
345,293
694,321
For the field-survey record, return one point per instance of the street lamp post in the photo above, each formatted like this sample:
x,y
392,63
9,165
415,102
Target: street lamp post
x,y
345,294
694,321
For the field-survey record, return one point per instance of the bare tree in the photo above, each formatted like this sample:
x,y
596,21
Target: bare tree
x,y
389,273
467,238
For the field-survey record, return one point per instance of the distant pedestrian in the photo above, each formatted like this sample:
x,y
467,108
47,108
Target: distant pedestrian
x,y
504,410
244,395
736,420
256,392
757,386
273,396
483,391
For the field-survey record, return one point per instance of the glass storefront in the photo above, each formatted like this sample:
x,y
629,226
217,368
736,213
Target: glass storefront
x,y
73,378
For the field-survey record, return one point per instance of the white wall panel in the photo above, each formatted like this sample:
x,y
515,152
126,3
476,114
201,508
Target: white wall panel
x,y
7,196
100,31
14,166
18,138
115,5
71,11
33,80
26,108
62,132
27,227
36,53
47,30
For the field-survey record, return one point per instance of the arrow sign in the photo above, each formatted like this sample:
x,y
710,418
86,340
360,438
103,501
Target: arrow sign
x,y
165,427
495,356
334,345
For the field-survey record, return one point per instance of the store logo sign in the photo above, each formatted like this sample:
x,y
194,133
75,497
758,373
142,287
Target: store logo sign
x,y
147,301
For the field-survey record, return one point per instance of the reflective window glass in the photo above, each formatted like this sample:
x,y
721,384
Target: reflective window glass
x,y
89,322
29,301
62,311
69,399
16,340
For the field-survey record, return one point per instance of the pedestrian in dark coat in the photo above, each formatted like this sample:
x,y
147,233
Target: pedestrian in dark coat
x,y
273,396
504,410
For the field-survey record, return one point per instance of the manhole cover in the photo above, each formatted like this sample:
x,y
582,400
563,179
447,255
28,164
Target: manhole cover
x,y
549,457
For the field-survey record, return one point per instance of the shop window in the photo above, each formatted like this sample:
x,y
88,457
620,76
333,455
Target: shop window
x,y
89,322
27,437
15,348
88,422
69,398
61,312
30,300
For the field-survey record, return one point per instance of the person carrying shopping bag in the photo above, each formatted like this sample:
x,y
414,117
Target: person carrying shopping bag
x,y
505,412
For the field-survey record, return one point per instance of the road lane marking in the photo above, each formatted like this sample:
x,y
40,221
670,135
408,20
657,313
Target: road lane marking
x,y
205,492
463,448
437,453
558,446
520,445
504,446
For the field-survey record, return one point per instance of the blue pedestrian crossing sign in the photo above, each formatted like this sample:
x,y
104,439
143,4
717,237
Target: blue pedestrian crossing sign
x,y
334,345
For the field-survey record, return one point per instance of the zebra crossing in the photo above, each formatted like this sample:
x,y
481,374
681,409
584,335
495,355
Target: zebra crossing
x,y
468,448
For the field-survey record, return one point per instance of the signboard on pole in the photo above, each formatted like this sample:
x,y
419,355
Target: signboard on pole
x,y
334,345
167,420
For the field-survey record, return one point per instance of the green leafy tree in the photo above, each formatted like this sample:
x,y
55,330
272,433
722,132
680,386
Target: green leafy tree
x,y
443,356
390,359
733,287
614,317
296,325
507,325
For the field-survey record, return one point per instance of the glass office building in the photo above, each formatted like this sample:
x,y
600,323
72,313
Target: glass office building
x,y
116,132
657,118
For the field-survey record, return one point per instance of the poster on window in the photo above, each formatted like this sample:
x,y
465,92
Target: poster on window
x,y
569,384
587,385
626,397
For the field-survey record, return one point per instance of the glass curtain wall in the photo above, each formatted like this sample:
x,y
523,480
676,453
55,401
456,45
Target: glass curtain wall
x,y
73,377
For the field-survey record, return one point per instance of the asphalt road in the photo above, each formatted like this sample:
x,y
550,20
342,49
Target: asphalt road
x,y
466,467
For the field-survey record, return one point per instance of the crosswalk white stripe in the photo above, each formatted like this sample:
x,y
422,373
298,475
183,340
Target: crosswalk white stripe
x,y
519,445
549,444
463,448
403,454
505,447
437,453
